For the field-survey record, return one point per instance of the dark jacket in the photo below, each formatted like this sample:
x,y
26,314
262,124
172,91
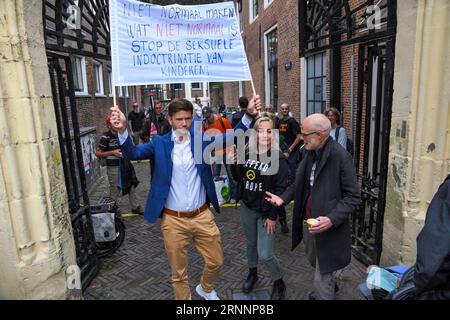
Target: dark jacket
x,y
236,118
275,183
335,194
128,176
432,268
161,124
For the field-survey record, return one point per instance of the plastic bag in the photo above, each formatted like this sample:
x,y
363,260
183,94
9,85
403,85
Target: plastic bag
x,y
222,189
104,227
380,278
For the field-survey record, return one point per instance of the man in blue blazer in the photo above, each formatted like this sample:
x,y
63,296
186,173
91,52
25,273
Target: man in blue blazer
x,y
181,192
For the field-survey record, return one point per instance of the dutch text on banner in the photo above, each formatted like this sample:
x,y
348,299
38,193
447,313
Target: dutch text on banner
x,y
171,44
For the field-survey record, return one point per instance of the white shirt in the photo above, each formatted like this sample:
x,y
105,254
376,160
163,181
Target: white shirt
x,y
187,192
246,120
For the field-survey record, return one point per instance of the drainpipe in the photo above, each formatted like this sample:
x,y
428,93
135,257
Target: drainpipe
x,y
352,91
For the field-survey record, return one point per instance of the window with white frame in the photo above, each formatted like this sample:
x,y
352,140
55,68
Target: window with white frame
x,y
98,76
253,10
123,91
109,82
271,55
316,77
267,3
196,86
79,75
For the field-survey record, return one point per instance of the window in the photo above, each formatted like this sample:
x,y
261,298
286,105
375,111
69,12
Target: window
x,y
175,87
109,82
98,76
241,88
316,83
271,44
241,17
196,86
267,3
123,92
174,90
254,9
79,75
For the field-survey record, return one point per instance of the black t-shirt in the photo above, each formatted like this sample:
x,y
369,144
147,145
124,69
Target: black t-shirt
x,y
289,128
254,188
137,120
109,142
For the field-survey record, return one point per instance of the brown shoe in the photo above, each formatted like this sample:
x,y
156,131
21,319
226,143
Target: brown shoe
x,y
138,210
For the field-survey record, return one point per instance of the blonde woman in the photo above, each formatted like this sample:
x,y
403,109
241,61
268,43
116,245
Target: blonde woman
x,y
263,169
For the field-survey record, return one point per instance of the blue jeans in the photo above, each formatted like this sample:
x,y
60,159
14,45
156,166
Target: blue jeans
x,y
259,242
233,185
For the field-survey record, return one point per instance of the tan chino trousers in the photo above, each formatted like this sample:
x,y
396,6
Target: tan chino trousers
x,y
178,234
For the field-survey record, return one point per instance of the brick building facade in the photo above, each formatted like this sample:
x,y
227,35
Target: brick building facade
x,y
283,17
273,16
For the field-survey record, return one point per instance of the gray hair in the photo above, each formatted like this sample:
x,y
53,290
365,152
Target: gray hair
x,y
320,122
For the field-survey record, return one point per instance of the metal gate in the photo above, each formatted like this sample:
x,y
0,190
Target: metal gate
x,y
371,26
72,160
372,146
75,28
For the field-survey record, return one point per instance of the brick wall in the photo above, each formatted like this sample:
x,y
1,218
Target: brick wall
x,y
92,109
284,14
231,93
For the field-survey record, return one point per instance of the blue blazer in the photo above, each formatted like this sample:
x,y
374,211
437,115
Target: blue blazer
x,y
161,148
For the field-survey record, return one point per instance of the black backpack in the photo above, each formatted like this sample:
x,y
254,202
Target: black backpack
x,y
349,141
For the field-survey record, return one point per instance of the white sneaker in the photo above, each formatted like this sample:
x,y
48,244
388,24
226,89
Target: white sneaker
x,y
206,295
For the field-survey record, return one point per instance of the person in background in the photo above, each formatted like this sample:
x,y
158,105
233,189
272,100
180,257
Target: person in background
x,y
243,103
337,132
109,149
290,130
136,119
214,125
269,109
158,119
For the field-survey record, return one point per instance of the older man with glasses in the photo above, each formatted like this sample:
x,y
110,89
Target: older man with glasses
x,y
326,191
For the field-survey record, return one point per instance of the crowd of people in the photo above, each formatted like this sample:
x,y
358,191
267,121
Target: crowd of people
x,y
282,160
182,189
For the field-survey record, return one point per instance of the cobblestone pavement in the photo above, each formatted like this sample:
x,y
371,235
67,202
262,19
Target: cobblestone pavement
x,y
139,268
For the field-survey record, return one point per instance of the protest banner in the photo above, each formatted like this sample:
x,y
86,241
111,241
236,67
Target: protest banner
x,y
153,44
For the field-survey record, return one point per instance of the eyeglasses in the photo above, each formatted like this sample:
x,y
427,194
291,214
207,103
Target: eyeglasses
x,y
308,134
